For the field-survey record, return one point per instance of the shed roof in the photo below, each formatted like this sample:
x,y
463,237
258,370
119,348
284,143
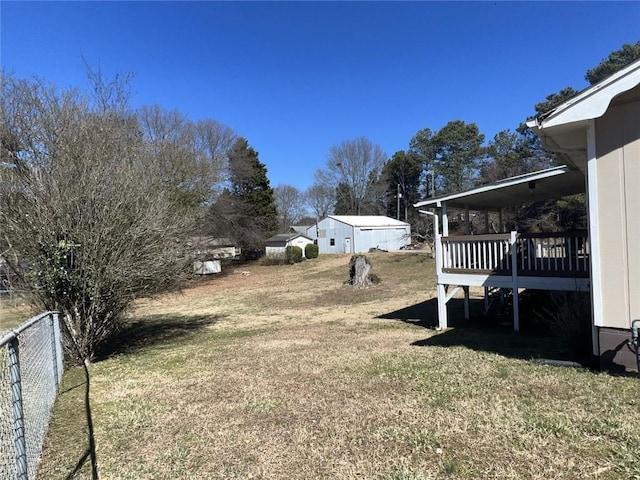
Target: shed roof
x,y
300,228
546,184
286,237
368,220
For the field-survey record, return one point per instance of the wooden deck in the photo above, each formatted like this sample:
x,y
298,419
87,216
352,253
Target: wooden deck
x,y
543,261
554,256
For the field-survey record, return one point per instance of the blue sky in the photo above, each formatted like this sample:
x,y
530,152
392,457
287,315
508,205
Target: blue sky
x,y
295,78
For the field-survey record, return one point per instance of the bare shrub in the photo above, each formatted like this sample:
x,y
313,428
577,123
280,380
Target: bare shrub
x,y
273,259
87,222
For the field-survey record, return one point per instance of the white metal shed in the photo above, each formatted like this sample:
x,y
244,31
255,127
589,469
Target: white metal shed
x,y
360,233
277,244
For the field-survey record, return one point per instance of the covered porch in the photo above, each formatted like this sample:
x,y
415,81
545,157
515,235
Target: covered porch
x,y
507,262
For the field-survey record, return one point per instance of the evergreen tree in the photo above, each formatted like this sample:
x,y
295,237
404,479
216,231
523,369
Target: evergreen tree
x,y
422,148
250,201
614,62
570,212
513,153
459,155
344,202
402,175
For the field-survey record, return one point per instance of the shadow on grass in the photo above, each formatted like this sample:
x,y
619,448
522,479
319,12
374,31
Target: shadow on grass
x,y
500,340
482,333
150,330
425,314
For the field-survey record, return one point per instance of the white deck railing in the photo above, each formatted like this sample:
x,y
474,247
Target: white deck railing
x,y
538,254
564,253
477,253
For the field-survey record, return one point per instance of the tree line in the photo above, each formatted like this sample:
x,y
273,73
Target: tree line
x,y
359,178
99,200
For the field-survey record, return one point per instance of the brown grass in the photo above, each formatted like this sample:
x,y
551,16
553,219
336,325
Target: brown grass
x,y
288,374
13,312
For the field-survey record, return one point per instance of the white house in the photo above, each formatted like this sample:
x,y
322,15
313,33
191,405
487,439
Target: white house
x,y
359,233
277,244
597,132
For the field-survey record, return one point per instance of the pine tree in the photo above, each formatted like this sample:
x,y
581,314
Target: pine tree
x,y
251,199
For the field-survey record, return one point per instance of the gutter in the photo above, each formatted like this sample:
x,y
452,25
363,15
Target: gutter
x,y
598,97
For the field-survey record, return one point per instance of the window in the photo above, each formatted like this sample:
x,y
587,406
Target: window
x,y
332,242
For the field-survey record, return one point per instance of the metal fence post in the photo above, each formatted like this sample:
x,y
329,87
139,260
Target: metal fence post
x,y
58,343
54,349
18,411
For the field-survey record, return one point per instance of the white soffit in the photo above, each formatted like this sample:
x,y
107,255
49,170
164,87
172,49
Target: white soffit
x,y
546,184
592,102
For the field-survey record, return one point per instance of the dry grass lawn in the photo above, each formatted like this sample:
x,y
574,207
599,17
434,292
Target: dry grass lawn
x,y
13,312
288,374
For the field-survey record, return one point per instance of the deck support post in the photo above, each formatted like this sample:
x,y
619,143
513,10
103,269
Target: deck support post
x,y
516,310
514,279
466,302
442,307
441,289
486,299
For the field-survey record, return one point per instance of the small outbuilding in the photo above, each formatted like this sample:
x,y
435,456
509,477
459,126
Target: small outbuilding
x,y
276,245
360,233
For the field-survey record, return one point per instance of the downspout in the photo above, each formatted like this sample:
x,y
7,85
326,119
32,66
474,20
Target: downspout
x,y
436,232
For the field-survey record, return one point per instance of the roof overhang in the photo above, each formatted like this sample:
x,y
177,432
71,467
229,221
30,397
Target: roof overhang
x,y
286,237
546,184
562,122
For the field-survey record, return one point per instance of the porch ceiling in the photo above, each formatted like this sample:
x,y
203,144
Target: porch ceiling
x,y
547,184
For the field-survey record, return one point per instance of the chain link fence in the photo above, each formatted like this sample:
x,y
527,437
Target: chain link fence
x,y
31,367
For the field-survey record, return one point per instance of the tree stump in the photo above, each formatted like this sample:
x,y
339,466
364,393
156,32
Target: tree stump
x,y
359,268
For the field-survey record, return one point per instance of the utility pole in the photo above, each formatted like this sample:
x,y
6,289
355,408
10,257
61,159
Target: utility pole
x,y
398,196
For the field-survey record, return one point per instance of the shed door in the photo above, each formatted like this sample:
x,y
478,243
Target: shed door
x,y
347,245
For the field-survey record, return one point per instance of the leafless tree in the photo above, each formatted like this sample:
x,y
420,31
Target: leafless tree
x,y
291,205
355,164
86,222
213,141
193,156
321,199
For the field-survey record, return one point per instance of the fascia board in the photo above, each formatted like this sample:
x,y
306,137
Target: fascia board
x,y
592,102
